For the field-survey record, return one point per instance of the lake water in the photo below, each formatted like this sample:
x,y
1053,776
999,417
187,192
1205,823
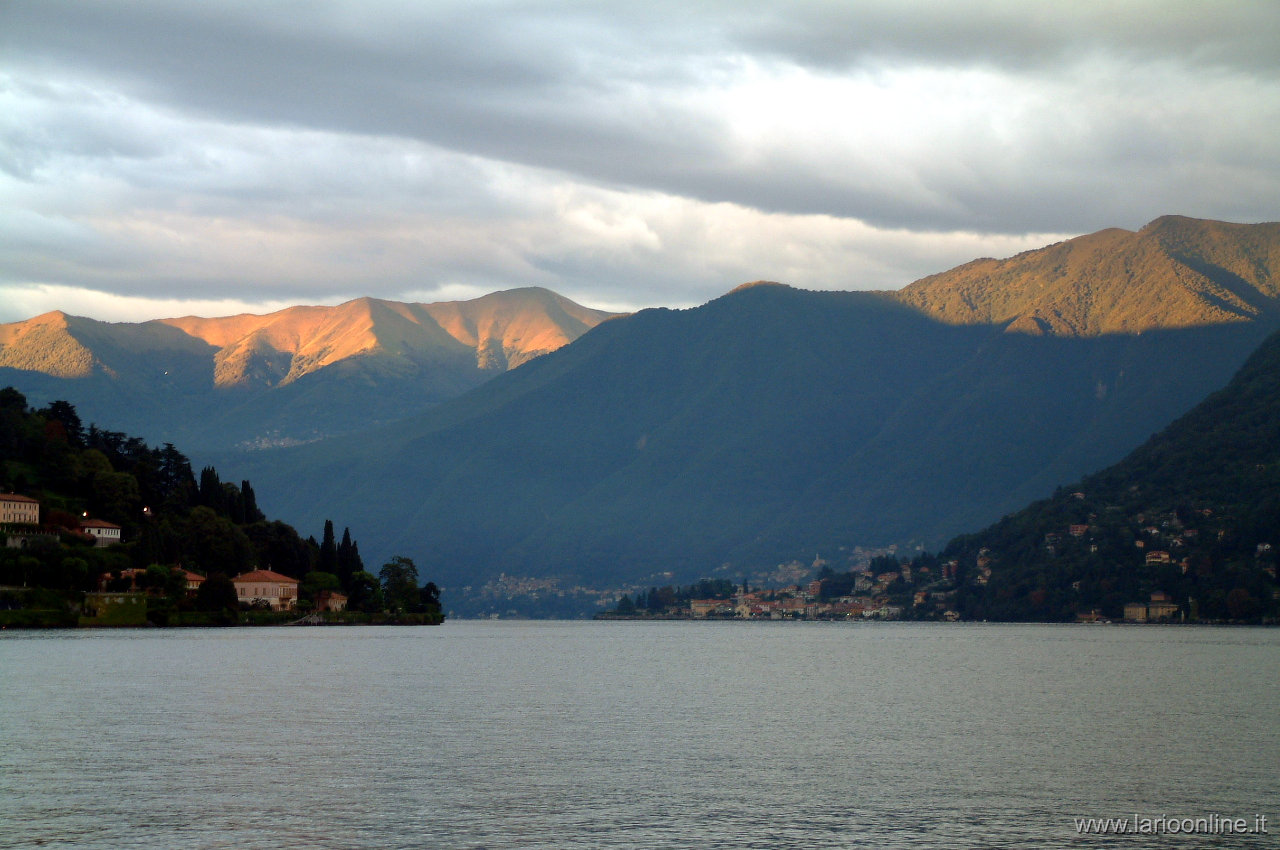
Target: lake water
x,y
633,734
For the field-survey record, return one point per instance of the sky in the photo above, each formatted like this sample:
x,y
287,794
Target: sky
x,y
170,158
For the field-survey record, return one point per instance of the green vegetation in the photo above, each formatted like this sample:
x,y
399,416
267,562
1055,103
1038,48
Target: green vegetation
x,y
1193,514
176,534
659,601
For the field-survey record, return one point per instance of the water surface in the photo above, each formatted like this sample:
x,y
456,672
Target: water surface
x,y
634,734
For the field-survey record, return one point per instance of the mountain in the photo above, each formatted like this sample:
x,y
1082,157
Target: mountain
x,y
1174,273
1193,514
294,375
775,424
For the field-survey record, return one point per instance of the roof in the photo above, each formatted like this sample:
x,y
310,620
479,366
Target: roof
x,y
14,497
190,576
98,523
263,575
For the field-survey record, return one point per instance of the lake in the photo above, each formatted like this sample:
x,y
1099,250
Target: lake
x,y
487,734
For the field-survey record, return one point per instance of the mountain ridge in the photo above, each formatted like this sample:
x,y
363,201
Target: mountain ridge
x,y
770,423
1173,272
295,374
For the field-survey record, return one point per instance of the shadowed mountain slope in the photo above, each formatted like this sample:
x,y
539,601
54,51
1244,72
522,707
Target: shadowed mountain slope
x,y
1193,513
766,425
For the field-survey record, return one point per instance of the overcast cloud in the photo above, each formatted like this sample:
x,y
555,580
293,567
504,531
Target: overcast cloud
x,y
159,158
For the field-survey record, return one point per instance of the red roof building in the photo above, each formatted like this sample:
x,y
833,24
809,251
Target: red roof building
x,y
278,591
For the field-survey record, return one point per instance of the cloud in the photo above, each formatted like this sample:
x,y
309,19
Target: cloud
x,y
27,301
635,153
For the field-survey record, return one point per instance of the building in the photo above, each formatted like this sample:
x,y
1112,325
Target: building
x,y
18,510
1135,612
106,533
278,591
702,607
330,600
114,609
1161,606
194,580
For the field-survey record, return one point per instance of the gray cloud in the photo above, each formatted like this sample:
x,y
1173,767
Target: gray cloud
x,y
323,149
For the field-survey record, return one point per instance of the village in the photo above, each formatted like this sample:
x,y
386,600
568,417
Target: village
x,y
881,589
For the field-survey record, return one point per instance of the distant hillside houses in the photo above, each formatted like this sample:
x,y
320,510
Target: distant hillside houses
x,y
22,515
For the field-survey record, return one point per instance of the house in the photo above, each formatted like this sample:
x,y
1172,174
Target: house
x,y
1077,530
105,533
703,607
121,581
18,510
1135,612
330,600
194,580
278,591
1161,606
1159,557
128,580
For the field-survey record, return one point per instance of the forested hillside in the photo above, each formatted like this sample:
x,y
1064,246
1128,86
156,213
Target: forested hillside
x,y
170,522
1192,515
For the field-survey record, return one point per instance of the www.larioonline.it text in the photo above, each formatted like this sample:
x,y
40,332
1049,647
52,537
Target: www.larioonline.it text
x,y
1167,825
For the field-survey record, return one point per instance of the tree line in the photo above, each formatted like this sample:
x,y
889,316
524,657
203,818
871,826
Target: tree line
x,y
169,518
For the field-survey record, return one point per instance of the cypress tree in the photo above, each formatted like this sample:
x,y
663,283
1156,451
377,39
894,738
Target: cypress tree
x,y
328,550
251,512
346,563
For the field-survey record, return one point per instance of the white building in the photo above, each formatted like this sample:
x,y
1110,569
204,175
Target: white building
x,y
106,533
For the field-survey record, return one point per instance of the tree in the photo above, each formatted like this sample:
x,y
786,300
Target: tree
x,y
277,546
399,578
364,593
430,597
177,482
348,560
316,582
217,593
213,543
250,499
61,411
12,400
328,550
212,494
116,497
